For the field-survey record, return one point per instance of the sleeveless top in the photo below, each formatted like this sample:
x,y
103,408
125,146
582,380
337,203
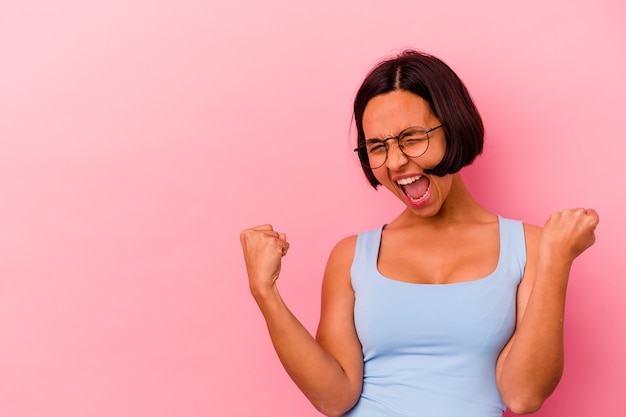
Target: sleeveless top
x,y
430,350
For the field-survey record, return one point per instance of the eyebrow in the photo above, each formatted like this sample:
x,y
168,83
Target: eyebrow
x,y
371,140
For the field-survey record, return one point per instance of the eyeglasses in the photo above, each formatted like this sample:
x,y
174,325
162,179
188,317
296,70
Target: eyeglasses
x,y
412,141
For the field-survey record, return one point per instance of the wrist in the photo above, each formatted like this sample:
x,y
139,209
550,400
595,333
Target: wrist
x,y
261,293
557,255
552,270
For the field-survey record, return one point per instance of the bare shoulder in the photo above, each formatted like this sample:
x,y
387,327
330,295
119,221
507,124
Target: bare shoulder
x,y
532,234
340,259
344,249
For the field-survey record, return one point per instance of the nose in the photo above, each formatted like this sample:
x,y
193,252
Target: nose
x,y
395,157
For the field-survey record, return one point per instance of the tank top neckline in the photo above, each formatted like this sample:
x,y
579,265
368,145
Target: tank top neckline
x,y
477,281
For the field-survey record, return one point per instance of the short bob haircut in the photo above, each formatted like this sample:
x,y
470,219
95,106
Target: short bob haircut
x,y
431,79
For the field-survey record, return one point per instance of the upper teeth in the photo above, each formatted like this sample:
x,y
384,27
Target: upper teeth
x,y
407,181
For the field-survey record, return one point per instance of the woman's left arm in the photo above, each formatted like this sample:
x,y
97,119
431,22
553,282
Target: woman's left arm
x,y
531,364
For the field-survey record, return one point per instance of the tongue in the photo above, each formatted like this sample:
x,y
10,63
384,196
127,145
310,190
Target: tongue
x,y
417,189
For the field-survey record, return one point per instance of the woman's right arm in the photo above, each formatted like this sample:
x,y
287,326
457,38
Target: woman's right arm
x,y
329,370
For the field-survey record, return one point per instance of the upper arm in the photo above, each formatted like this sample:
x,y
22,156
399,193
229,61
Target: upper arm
x,y
336,332
532,235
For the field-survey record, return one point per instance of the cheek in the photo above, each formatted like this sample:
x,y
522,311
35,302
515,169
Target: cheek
x,y
379,174
434,155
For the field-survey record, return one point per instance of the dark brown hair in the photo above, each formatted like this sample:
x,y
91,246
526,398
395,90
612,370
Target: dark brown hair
x,y
431,79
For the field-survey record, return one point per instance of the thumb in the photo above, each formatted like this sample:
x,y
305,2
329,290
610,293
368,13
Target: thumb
x,y
284,245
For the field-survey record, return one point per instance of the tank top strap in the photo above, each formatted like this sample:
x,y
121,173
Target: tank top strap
x,y
513,247
366,254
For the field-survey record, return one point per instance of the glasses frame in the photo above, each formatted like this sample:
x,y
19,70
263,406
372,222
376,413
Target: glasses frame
x,y
362,153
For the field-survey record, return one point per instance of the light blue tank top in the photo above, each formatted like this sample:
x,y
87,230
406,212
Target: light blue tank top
x,y
430,350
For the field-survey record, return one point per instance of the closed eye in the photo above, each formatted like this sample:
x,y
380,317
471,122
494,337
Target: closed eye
x,y
375,145
413,141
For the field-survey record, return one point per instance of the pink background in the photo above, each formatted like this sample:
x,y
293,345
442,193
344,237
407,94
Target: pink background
x,y
139,137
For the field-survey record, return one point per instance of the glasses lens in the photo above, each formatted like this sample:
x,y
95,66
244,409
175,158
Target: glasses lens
x,y
376,153
364,156
414,141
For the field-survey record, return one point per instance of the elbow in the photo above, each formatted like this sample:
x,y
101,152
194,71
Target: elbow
x,y
334,408
525,402
528,398
329,411
525,406
338,401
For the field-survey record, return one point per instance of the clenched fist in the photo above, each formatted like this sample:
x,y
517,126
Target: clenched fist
x,y
263,249
569,233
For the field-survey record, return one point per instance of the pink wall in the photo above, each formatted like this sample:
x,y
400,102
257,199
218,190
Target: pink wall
x,y
139,137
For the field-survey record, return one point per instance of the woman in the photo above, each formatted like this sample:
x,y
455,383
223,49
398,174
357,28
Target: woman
x,y
448,310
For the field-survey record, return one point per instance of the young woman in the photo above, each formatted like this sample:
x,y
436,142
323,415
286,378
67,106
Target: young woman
x,y
448,310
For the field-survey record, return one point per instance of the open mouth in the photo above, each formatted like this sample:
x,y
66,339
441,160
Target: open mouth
x,y
416,188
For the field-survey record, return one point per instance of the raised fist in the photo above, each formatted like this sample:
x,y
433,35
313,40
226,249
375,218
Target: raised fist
x,y
263,249
569,233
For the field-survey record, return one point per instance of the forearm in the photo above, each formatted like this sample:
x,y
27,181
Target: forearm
x,y
534,363
317,373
